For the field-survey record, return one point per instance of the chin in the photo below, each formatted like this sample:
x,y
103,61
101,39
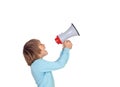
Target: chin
x,y
46,53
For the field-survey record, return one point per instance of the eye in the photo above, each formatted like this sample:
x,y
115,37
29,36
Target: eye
x,y
41,44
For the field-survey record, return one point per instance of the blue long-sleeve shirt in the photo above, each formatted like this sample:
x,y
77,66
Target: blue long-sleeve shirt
x,y
42,69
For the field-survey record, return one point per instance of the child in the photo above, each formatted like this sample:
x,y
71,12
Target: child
x,y
34,51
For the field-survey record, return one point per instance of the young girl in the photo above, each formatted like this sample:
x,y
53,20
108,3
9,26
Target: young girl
x,y
34,51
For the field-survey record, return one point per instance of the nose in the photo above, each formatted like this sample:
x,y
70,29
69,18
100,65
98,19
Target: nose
x,y
43,45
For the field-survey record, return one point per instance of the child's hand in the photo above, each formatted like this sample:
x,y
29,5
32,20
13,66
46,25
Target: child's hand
x,y
67,44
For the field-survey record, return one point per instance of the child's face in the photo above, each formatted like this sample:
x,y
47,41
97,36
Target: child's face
x,y
43,52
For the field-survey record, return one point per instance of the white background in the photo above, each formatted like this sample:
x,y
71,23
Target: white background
x,y
95,56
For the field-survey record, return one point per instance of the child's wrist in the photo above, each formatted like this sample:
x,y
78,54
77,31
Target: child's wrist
x,y
66,48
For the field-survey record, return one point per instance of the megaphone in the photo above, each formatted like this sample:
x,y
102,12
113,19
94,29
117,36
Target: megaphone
x,y
72,31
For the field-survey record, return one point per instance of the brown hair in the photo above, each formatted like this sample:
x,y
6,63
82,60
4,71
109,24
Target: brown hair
x,y
31,51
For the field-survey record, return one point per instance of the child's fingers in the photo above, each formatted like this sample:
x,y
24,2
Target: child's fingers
x,y
67,41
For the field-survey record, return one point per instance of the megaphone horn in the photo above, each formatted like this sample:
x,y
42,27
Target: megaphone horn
x,y
72,31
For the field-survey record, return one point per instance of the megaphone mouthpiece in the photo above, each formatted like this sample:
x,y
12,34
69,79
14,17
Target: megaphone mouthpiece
x,y
57,39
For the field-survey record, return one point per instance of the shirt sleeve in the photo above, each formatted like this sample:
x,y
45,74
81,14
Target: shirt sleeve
x,y
45,66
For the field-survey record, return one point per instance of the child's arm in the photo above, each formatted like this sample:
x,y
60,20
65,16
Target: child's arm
x,y
45,66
